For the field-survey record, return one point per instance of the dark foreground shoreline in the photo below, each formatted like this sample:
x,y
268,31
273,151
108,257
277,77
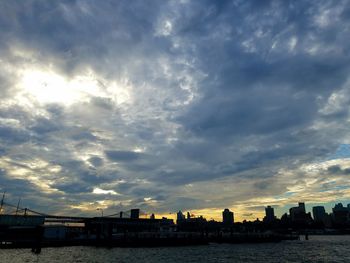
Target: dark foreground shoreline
x,y
137,241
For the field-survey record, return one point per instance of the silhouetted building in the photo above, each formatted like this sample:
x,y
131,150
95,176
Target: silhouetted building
x,y
269,214
135,213
192,224
227,217
319,214
107,227
340,214
297,212
299,216
180,217
285,220
23,221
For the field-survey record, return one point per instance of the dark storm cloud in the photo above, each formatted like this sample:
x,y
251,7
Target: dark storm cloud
x,y
12,135
74,169
103,103
16,188
123,156
337,169
268,93
204,91
247,93
82,32
186,203
43,125
74,188
125,186
84,135
96,161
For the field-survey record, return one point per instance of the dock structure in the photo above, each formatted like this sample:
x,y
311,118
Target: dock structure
x,y
39,231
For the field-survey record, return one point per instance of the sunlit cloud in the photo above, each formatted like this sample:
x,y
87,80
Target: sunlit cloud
x,y
104,192
49,87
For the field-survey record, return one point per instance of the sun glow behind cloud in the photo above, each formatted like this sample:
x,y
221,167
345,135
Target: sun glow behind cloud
x,y
47,86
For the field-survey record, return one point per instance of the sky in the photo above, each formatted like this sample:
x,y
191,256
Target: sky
x,y
169,105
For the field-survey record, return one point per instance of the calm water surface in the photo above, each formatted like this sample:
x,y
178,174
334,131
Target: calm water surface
x,y
317,249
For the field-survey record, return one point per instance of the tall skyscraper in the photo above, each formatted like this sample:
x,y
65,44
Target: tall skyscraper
x,y
319,213
180,217
341,214
134,213
227,217
298,214
302,207
269,214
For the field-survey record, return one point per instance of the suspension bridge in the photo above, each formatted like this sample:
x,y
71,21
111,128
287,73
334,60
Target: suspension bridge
x,y
7,208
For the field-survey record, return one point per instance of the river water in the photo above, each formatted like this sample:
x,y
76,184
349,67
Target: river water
x,y
316,249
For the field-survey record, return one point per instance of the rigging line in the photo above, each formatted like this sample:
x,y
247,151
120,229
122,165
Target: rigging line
x,y
19,201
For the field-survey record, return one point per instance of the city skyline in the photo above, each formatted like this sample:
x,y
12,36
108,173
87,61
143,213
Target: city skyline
x,y
269,213
191,105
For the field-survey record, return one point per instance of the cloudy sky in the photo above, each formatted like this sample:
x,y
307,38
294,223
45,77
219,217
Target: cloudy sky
x,y
168,105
